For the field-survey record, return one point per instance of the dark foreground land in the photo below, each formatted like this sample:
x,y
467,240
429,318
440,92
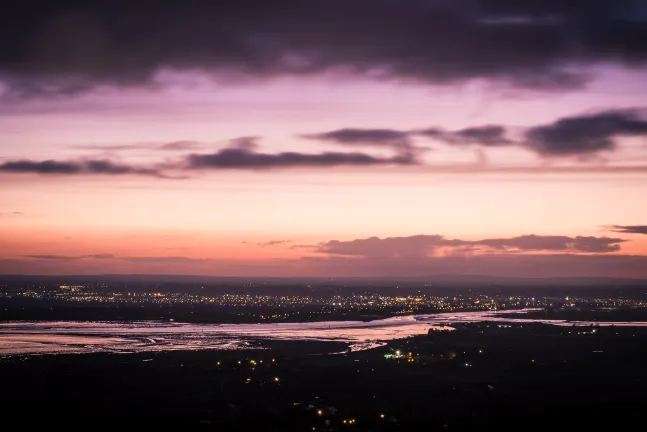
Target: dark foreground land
x,y
479,377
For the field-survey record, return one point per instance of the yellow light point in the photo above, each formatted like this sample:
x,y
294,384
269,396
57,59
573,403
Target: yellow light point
x,y
218,363
319,412
397,352
381,416
239,361
533,361
276,379
273,360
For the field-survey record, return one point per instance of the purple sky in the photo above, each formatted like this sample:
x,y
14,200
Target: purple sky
x,y
364,138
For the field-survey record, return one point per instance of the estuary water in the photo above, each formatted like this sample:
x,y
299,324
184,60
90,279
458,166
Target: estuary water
x,y
42,337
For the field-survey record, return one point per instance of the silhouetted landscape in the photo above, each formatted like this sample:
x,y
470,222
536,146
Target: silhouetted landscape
x,y
347,366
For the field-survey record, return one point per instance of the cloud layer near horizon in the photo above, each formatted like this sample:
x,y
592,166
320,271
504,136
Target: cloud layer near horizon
x,y
418,246
511,265
69,46
426,245
419,255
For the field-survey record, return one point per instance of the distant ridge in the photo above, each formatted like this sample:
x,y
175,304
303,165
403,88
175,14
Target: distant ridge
x,y
441,280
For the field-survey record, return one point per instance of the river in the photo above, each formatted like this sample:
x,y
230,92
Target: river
x,y
41,337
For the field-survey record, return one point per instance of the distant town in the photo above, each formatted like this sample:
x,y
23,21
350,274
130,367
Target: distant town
x,y
248,302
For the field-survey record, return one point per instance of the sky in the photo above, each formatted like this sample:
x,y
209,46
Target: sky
x,y
324,138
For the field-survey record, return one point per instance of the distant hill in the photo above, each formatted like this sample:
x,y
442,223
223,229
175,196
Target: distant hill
x,y
418,282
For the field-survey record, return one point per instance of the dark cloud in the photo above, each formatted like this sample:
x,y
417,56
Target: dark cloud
x,y
578,135
43,167
503,264
15,213
248,143
243,158
488,135
630,229
350,136
585,134
570,136
70,258
108,167
414,246
425,245
555,243
99,166
180,146
68,46
274,243
397,140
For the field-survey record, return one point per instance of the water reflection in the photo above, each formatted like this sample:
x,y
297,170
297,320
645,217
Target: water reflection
x,y
86,337
495,316
80,337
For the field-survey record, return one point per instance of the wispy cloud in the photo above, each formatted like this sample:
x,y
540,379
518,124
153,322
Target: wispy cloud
x,y
629,229
274,243
105,256
75,167
180,146
169,146
110,148
70,257
303,246
488,135
392,138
